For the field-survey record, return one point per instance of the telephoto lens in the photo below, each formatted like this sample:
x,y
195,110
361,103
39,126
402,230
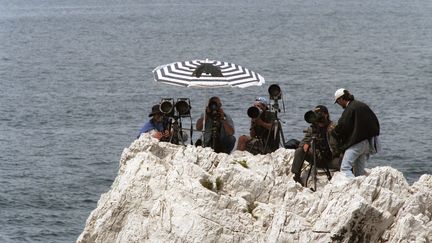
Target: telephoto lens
x,y
166,106
310,117
254,112
275,92
213,106
183,107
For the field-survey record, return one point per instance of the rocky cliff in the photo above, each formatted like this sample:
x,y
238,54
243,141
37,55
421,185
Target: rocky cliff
x,y
169,193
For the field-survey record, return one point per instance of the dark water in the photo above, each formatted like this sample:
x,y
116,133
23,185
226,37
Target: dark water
x,y
76,85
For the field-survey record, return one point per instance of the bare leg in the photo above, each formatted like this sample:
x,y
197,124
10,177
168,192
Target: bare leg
x,y
242,141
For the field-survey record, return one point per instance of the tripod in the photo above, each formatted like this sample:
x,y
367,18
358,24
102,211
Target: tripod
x,y
313,165
276,127
177,131
215,131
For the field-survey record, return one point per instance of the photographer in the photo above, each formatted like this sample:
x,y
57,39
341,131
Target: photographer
x,y
219,127
325,145
157,126
357,130
262,139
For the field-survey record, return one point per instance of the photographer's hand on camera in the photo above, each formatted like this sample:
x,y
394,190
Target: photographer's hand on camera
x,y
223,120
220,114
163,136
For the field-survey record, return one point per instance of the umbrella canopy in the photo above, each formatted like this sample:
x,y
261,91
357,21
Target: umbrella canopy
x,y
207,73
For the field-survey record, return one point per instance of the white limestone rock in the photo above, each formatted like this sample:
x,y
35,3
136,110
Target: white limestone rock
x,y
169,193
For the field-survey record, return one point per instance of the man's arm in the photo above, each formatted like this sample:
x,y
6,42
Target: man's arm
x,y
200,123
345,125
228,126
305,142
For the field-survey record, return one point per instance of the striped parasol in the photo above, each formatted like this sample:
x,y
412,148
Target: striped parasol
x,y
207,73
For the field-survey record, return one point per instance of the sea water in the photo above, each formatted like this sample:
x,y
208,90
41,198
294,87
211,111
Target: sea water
x,y
77,85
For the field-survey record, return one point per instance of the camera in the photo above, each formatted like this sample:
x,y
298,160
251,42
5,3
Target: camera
x,y
314,117
169,108
254,112
183,107
275,92
213,109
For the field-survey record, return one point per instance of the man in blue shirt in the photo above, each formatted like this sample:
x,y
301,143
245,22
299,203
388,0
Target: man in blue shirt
x,y
157,126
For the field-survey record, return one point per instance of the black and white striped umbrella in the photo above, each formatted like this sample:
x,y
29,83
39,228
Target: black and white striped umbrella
x,y
207,73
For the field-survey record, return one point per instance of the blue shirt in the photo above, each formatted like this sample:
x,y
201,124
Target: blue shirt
x,y
151,125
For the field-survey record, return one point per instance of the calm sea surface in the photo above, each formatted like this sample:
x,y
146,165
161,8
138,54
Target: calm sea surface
x,y
76,85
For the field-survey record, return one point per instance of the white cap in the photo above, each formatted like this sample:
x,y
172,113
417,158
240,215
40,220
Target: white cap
x,y
339,93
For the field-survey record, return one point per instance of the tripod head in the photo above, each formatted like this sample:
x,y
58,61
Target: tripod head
x,y
275,94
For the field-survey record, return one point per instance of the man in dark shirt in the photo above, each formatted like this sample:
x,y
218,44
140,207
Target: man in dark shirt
x,y
357,132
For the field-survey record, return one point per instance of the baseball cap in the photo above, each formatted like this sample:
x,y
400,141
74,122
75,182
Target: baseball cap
x,y
321,108
261,100
339,93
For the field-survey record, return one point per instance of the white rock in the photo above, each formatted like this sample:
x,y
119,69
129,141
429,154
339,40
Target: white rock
x,y
169,193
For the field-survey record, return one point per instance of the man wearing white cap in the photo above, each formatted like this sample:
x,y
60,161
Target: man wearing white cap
x,y
357,132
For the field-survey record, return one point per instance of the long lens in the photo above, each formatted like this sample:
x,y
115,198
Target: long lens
x,y
310,117
182,107
275,92
254,112
166,106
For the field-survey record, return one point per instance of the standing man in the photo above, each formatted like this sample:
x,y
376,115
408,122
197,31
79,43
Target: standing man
x,y
219,127
357,132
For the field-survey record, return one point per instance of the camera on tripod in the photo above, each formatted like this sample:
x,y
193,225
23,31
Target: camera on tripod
x,y
254,112
275,92
181,108
314,117
176,110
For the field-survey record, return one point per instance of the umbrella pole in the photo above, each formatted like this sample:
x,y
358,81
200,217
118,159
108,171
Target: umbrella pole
x,y
204,121
191,131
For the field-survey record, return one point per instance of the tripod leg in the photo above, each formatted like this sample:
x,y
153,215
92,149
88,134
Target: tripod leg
x,y
281,133
277,128
310,170
327,170
314,169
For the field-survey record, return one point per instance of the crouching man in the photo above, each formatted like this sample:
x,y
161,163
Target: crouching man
x,y
263,138
157,126
327,154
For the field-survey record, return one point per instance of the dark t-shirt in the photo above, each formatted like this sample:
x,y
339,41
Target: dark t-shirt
x,y
270,138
